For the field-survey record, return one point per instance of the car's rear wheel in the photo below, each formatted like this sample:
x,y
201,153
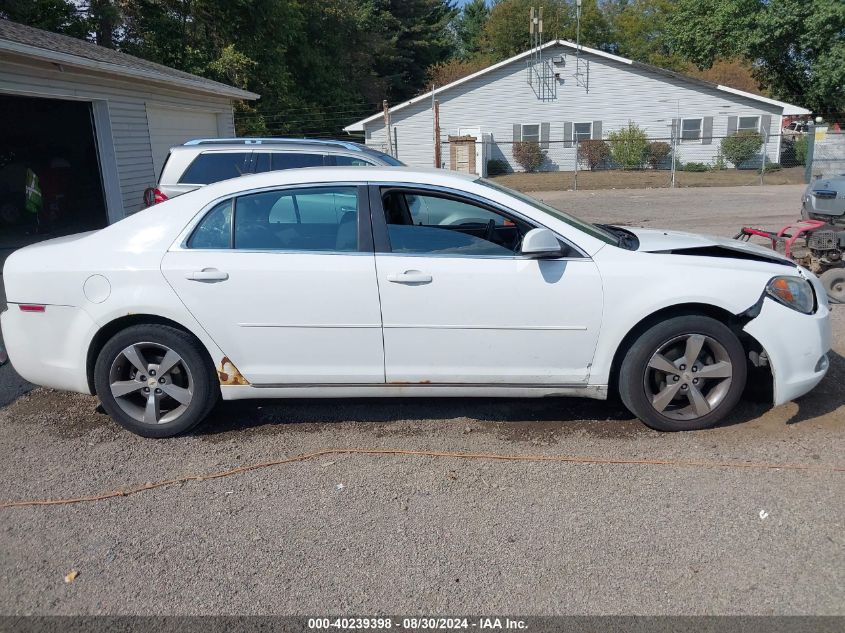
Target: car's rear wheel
x,y
155,380
684,373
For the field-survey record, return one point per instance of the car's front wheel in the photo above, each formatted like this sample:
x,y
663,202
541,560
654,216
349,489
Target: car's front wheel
x,y
684,373
155,381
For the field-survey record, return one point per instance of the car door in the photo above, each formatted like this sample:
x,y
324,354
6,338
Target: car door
x,y
461,305
284,282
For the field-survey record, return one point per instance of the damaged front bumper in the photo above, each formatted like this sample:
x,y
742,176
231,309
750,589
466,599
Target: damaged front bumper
x,y
796,345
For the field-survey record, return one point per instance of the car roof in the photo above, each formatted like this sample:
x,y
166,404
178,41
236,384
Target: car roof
x,y
295,144
320,175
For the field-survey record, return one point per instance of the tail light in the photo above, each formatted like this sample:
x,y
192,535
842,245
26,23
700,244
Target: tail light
x,y
153,195
32,307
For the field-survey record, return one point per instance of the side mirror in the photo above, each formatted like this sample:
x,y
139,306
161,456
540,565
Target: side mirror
x,y
540,243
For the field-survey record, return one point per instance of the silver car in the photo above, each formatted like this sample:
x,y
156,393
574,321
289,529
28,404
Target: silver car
x,y
204,161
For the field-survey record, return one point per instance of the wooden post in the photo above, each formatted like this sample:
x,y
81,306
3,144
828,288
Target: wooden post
x,y
438,162
387,127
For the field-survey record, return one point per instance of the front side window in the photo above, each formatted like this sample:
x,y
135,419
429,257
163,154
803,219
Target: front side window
x,y
691,131
308,219
531,133
429,223
582,132
213,167
750,123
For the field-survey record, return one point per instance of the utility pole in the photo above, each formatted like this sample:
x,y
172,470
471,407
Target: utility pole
x,y
438,162
387,127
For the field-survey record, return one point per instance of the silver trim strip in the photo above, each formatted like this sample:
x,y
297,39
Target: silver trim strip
x,y
484,327
338,326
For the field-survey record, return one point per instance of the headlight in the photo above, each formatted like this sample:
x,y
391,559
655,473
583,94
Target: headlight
x,y
794,292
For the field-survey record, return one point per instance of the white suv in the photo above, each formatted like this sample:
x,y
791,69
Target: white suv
x,y
204,161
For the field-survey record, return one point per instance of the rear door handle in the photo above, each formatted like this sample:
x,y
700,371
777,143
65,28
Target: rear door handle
x,y
207,274
409,277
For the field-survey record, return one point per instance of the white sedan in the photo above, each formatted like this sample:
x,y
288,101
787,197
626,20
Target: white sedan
x,y
347,282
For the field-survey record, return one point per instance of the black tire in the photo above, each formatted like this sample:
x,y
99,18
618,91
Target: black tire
x,y
193,369
638,382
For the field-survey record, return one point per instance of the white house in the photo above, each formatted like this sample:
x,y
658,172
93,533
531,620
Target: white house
x,y
94,124
562,94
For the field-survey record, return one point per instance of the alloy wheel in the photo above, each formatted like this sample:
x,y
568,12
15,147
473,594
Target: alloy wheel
x,y
151,383
688,377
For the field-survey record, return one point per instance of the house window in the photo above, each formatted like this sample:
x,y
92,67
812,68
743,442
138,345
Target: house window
x,y
531,133
582,132
751,123
691,131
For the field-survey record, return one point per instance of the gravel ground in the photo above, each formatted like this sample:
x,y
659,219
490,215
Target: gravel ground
x,y
400,534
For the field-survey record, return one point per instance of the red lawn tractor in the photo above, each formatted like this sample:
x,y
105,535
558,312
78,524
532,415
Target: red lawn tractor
x,y
817,240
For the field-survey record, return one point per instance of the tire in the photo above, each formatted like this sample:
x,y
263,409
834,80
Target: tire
x,y
155,403
665,397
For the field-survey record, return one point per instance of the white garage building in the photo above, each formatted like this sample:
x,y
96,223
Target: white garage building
x,y
96,124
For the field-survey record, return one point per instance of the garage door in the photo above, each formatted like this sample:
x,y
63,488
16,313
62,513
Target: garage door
x,y
169,127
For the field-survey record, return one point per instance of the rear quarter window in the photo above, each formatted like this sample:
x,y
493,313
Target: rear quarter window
x,y
216,166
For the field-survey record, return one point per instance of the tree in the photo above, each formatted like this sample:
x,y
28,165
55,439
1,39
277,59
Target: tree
x,y
736,73
469,26
454,69
658,151
628,146
639,31
506,32
59,16
797,47
742,146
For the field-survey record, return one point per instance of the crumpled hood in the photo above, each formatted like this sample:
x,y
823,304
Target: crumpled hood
x,y
655,240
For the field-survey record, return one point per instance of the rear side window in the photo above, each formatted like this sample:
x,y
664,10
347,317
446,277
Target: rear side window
x,y
308,219
215,229
216,166
285,160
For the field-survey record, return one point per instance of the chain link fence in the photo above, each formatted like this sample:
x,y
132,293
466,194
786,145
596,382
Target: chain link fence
x,y
623,160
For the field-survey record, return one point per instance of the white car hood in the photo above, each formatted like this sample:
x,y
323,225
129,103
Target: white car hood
x,y
653,240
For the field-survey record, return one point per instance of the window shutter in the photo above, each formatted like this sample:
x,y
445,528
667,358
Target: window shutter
x,y
567,134
544,135
766,125
597,130
707,130
676,129
731,125
517,132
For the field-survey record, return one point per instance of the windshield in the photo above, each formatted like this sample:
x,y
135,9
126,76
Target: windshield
x,y
590,229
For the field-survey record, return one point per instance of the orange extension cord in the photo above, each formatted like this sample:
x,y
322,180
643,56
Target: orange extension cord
x,y
390,451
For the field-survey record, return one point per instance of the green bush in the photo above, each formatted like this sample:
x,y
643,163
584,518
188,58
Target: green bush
x,y
529,154
628,146
800,148
497,167
658,151
770,166
742,146
594,152
696,167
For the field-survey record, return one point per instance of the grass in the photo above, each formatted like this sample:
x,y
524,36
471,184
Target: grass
x,y
646,179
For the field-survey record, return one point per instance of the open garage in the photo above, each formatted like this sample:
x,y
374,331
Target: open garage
x,y
49,158
87,129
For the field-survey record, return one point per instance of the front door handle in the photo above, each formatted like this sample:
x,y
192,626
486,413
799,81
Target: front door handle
x,y
207,274
409,277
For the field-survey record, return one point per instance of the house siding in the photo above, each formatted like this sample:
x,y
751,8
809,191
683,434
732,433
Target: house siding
x,y
618,93
127,102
